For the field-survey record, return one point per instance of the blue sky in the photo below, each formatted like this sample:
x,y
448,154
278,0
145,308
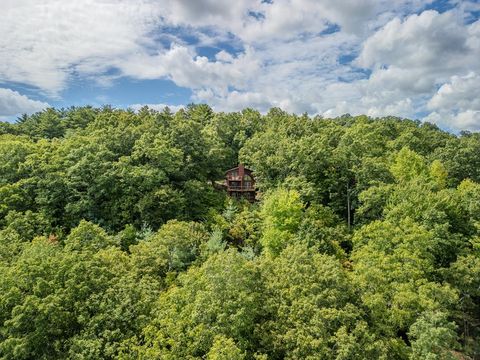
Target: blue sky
x,y
408,58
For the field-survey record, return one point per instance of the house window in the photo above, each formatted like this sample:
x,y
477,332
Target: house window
x,y
235,185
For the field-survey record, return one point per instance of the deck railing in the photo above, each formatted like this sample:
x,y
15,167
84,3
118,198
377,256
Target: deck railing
x,y
241,188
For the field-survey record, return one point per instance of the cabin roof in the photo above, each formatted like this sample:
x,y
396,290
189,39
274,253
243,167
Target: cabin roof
x,y
234,168
237,167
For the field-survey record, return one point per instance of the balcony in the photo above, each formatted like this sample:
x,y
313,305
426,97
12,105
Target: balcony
x,y
240,188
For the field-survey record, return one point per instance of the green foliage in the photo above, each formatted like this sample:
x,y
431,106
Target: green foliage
x,y
309,299
282,212
28,224
224,349
62,304
117,241
408,166
214,244
321,228
128,237
461,158
464,274
394,271
11,245
114,168
88,237
434,336
172,249
220,298
13,152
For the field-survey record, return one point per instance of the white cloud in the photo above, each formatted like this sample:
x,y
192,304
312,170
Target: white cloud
x,y
420,52
360,98
256,20
195,72
234,100
222,14
13,104
158,107
456,104
465,120
44,42
287,57
418,41
410,59
460,93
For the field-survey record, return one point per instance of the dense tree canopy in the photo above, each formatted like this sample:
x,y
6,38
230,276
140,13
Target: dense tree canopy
x,y
118,242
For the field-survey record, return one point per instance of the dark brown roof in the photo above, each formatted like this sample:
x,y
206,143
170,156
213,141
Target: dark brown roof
x,y
237,167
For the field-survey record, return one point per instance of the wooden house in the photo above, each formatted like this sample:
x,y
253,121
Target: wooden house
x,y
240,183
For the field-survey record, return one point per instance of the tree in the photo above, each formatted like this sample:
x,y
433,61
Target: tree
x,y
311,309
117,242
282,213
171,250
58,303
408,166
222,298
464,275
224,349
88,237
434,337
394,270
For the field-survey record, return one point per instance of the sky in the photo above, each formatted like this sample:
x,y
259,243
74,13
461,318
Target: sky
x,y
418,59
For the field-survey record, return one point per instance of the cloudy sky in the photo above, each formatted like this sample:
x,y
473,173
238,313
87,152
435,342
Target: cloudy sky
x,y
410,58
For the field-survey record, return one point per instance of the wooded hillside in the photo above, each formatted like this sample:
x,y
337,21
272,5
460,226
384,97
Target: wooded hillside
x,y
114,243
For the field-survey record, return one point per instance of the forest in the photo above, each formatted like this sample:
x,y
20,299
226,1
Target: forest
x,y
115,242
